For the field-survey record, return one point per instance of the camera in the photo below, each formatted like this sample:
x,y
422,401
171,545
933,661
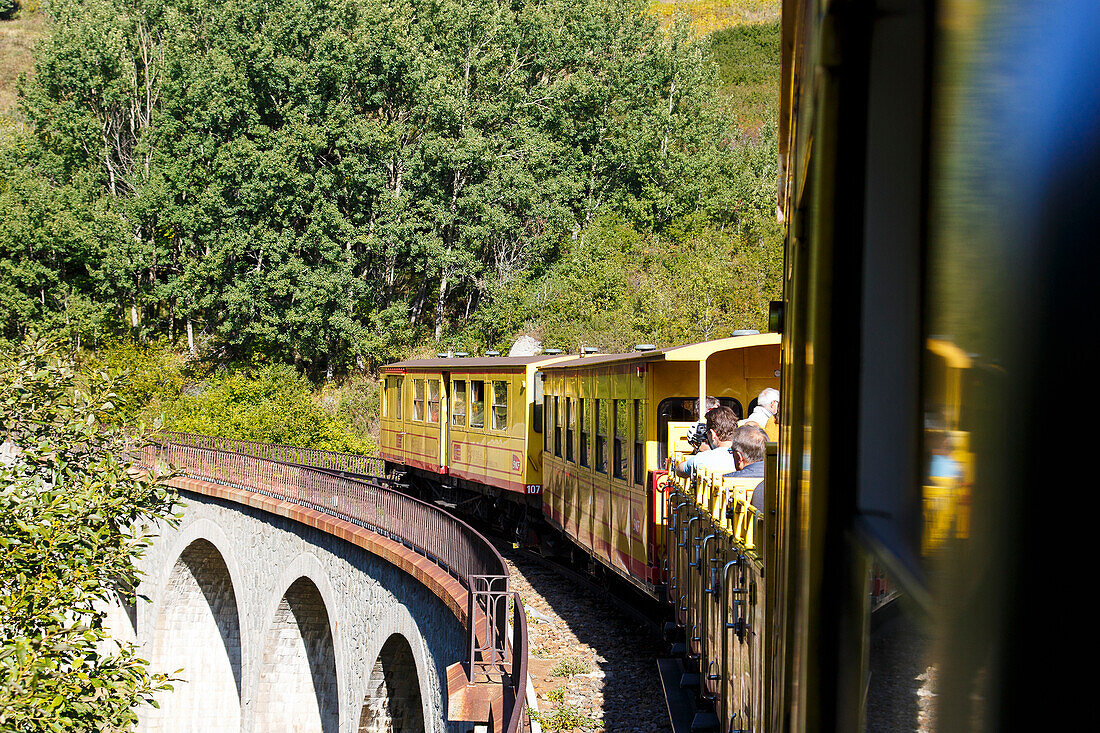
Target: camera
x,y
697,435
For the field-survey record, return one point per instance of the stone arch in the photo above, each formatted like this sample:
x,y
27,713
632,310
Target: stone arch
x,y
393,702
298,687
198,630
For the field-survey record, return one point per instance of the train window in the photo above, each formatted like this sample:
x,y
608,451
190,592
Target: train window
x,y
458,403
500,405
557,427
433,400
584,432
570,426
620,456
639,442
392,403
537,416
601,436
477,404
418,399
672,409
548,412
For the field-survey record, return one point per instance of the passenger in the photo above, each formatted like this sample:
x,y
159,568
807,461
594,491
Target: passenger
x,y
749,448
712,402
766,410
697,434
721,422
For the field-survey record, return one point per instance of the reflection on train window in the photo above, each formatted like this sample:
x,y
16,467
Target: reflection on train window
x,y
418,399
570,426
536,418
639,442
500,405
458,403
601,436
619,458
392,403
557,427
584,432
477,404
433,400
548,432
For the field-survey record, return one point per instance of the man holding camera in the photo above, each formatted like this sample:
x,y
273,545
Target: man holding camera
x,y
721,422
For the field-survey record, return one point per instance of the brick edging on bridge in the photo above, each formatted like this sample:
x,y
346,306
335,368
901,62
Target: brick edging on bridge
x,y
423,570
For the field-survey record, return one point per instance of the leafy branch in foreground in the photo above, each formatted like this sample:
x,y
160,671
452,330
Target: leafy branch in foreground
x,y
73,519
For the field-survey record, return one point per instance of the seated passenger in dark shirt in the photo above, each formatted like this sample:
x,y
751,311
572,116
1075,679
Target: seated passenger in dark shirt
x,y
749,449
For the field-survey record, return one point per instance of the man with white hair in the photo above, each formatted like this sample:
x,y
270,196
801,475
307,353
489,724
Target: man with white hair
x,y
766,410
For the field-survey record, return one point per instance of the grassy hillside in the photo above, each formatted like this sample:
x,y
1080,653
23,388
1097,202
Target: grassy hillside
x,y
17,38
748,61
708,16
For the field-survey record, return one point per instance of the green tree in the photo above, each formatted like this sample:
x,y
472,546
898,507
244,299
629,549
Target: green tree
x,y
73,518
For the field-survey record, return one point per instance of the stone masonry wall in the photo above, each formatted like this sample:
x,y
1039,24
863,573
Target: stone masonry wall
x,y
313,612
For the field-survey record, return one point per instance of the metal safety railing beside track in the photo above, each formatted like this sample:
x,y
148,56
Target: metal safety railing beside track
x,y
348,463
424,528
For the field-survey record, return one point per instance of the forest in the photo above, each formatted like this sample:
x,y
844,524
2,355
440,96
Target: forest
x,y
336,184
222,216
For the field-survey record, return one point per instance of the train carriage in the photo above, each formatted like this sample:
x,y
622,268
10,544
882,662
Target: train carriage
x,y
466,422
611,422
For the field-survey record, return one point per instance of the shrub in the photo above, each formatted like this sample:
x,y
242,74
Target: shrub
x,y
569,667
273,404
71,525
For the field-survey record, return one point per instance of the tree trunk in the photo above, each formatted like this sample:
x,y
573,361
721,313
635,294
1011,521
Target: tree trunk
x,y
440,302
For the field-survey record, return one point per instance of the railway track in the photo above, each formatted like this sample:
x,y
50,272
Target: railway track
x,y
593,652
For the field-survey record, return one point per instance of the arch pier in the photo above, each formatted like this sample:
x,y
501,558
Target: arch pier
x,y
289,598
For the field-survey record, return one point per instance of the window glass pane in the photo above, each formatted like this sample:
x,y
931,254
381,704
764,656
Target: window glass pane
x,y
570,423
584,432
601,435
557,427
621,425
458,406
418,399
537,417
477,404
639,442
548,412
396,412
500,405
433,400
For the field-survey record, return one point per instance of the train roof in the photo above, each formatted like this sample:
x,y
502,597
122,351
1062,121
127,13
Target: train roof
x,y
477,363
688,352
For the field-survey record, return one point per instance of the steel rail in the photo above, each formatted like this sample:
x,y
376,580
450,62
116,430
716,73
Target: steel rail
x,y
422,527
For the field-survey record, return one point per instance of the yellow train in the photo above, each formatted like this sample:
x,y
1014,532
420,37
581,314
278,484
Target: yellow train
x,y
937,184
580,441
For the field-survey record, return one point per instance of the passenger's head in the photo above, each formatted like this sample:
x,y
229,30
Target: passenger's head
x,y
769,398
711,403
721,422
749,445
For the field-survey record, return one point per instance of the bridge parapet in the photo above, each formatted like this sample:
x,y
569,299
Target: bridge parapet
x,y
491,686
344,463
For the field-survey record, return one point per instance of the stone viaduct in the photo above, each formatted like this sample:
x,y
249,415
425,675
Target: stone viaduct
x,y
273,615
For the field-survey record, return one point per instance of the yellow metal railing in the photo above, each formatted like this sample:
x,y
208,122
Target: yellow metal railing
x,y
725,502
